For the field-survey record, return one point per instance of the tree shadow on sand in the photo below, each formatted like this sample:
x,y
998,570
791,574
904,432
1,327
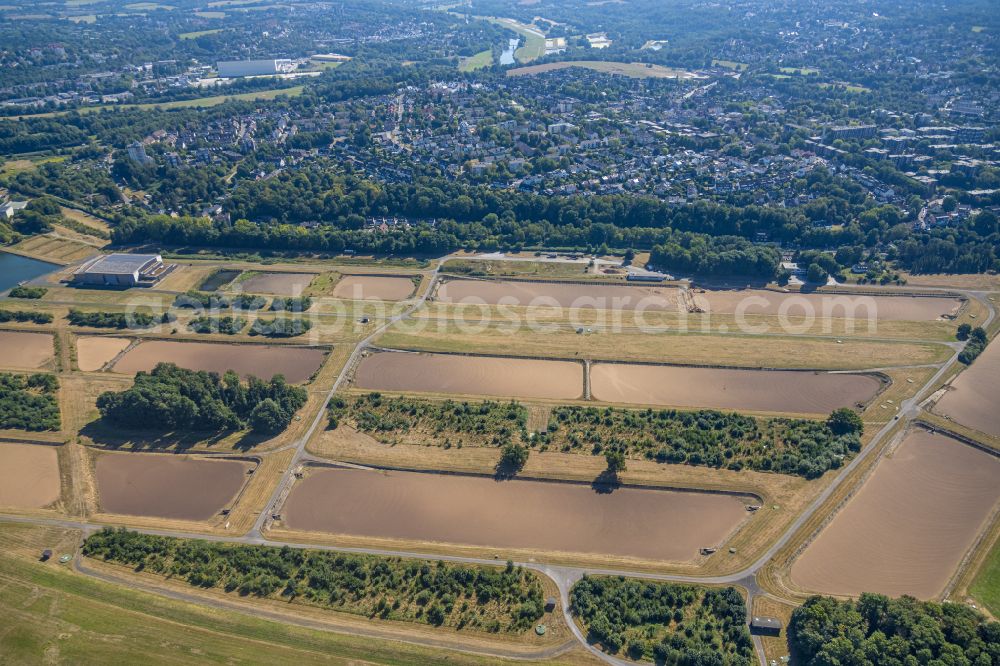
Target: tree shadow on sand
x,y
110,436
606,483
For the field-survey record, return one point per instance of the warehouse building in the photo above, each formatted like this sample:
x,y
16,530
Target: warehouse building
x,y
122,270
234,69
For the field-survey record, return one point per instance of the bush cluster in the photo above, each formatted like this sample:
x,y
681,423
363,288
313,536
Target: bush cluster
x,y
507,599
280,327
878,631
175,398
29,402
227,325
666,622
201,300
111,319
25,316
292,304
977,341
28,292
248,302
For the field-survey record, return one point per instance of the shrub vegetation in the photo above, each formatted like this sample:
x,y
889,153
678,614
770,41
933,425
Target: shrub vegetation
x,y
175,398
227,325
28,292
495,599
800,447
292,304
666,622
280,327
29,402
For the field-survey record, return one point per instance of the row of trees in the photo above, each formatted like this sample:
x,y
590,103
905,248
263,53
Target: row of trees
x,y
24,316
878,631
666,622
29,402
498,599
227,325
170,397
280,328
977,341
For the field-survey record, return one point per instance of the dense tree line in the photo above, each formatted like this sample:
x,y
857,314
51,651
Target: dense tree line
x,y
977,341
201,300
170,397
292,304
496,599
120,320
878,631
228,325
25,316
29,402
666,622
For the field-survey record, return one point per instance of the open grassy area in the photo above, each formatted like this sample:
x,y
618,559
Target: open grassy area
x,y
730,64
533,41
478,61
198,33
692,349
801,71
51,614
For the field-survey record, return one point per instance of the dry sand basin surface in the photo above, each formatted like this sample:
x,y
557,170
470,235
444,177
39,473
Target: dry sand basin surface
x,y
972,400
373,288
281,284
94,351
297,364
838,306
25,350
908,528
548,294
470,375
537,515
784,391
29,475
167,485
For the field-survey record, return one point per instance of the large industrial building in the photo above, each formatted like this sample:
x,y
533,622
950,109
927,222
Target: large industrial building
x,y
234,69
122,270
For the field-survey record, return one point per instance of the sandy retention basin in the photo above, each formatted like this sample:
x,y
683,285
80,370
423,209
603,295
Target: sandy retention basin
x,y
598,296
784,391
541,515
297,364
281,284
470,375
25,350
972,400
841,306
29,475
909,526
167,485
373,288
93,351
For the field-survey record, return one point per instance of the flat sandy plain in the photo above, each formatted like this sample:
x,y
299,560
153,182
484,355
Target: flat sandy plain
x,y
547,294
849,306
908,527
93,351
722,388
167,485
470,375
25,350
480,511
373,288
297,364
29,475
972,400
